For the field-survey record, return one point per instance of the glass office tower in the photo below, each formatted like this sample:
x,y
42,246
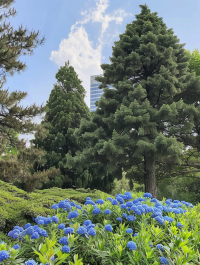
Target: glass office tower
x,y
95,92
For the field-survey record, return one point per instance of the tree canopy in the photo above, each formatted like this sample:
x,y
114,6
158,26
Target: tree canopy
x,y
152,101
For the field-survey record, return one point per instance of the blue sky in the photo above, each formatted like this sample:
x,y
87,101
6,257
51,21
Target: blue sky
x,y
84,32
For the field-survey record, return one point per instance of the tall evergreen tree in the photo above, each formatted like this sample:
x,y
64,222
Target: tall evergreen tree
x,y
154,92
65,109
14,119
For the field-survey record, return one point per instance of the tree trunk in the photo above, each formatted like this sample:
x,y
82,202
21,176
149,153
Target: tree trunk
x,y
150,175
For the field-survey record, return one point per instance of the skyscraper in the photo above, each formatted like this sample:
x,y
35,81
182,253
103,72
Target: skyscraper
x,y
95,92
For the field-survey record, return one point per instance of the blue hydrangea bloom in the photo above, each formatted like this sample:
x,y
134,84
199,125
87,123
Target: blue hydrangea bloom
x,y
88,198
43,233
81,230
35,235
154,200
69,230
160,220
159,246
90,202
147,195
129,204
41,222
128,195
131,245
131,218
87,222
2,242
27,225
179,224
92,232
72,203
107,211
109,199
54,219
63,240
15,236
73,214
3,255
120,200
78,207
96,210
55,206
108,228
66,249
169,219
114,202
135,201
16,246
30,262
119,219
100,201
135,234
129,230
124,215
61,226
53,258
29,230
90,226
164,260
122,206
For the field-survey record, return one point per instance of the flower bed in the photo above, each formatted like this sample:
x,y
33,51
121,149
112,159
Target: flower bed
x,y
130,229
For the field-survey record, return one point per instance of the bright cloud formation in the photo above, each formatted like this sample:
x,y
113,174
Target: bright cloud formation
x,y
80,51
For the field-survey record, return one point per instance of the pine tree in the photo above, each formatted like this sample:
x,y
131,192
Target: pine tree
x,y
66,108
14,119
153,92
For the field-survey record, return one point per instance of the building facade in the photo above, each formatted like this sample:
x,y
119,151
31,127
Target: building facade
x,y
95,92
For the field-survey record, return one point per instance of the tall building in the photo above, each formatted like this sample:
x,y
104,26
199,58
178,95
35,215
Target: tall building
x,y
95,92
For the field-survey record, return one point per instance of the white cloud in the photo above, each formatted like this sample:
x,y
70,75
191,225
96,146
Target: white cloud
x,y
80,51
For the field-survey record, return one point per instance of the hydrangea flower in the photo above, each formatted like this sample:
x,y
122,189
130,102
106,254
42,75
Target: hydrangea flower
x,y
119,219
35,235
55,206
128,195
41,222
107,211
69,230
129,230
131,218
109,199
159,246
78,207
72,203
96,210
3,255
122,206
124,215
66,249
73,214
100,201
135,234
55,219
114,202
27,225
30,262
89,202
87,222
108,228
92,232
119,199
131,245
147,195
90,226
63,240
129,204
81,230
164,260
179,224
61,226
16,246
43,233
